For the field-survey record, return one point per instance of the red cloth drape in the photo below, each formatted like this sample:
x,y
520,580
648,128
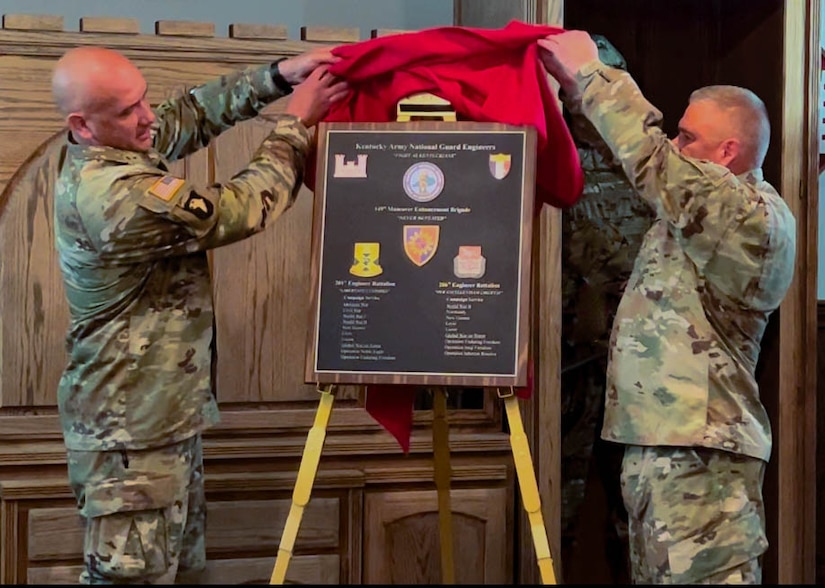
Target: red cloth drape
x,y
392,407
488,75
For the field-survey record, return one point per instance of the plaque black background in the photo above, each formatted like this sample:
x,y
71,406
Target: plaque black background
x,y
409,321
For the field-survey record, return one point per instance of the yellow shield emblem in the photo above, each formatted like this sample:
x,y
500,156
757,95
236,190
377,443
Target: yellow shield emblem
x,y
365,261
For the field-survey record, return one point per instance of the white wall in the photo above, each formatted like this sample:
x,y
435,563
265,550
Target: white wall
x,y
365,14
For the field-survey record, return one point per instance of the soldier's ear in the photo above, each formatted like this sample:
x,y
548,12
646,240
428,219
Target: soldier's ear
x,y
78,126
729,150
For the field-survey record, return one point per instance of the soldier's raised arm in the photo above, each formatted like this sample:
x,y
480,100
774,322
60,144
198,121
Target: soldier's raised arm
x,y
189,122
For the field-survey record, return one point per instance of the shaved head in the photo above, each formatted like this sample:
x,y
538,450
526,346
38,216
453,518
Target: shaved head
x,y
86,76
102,94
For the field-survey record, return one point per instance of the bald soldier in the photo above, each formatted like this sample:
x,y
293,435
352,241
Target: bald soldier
x,y
132,240
718,259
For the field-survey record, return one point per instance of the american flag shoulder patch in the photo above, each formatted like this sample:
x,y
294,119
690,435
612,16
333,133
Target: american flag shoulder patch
x,y
166,187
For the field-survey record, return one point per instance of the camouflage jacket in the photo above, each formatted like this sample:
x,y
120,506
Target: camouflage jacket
x,y
601,235
132,243
717,261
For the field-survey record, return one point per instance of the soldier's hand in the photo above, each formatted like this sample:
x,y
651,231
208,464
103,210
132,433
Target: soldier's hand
x,y
566,53
312,98
296,69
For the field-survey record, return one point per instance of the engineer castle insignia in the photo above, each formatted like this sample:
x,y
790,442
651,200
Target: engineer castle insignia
x,y
350,169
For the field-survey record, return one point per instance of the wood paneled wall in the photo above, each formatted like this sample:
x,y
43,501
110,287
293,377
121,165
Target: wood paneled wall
x,y
365,486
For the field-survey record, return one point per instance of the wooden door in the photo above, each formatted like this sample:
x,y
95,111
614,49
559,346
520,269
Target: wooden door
x,y
771,46
398,525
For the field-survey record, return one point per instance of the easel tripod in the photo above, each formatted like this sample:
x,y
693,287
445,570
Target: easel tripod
x,y
425,107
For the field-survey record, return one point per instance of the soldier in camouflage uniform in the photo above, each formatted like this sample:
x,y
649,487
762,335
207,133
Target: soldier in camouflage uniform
x,y
681,390
132,239
601,235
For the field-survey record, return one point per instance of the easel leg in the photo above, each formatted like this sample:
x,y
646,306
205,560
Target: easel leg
x,y
303,484
529,488
441,451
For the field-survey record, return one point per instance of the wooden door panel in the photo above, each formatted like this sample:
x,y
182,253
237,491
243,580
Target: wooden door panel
x,y
402,537
234,527
33,311
262,291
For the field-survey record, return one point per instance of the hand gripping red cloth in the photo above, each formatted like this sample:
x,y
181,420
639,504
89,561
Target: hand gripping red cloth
x,y
487,75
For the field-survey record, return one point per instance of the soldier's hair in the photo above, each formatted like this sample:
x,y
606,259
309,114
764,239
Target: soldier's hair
x,y
749,118
608,54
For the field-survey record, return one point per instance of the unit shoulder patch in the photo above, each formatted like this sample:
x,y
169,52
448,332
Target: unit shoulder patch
x,y
198,205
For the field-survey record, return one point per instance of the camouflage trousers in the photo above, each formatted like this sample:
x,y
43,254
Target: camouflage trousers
x,y
145,513
696,515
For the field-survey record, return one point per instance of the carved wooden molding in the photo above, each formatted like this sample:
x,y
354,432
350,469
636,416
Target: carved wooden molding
x,y
375,33
258,31
331,34
353,419
114,26
796,422
155,47
57,488
33,22
180,28
459,473
52,452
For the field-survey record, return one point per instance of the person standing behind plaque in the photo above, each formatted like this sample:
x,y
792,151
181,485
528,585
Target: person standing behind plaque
x,y
681,391
600,237
132,240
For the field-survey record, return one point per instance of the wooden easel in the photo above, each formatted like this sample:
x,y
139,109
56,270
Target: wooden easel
x,y
425,107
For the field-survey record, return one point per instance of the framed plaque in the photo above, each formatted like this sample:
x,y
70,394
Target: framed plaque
x,y
421,245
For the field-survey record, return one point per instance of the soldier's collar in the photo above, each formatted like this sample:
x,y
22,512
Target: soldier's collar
x,y
753,176
113,155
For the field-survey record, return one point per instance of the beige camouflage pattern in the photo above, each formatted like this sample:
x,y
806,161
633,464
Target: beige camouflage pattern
x,y
696,515
132,244
146,513
717,261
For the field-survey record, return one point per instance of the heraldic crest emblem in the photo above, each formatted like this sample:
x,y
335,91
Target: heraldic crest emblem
x,y
500,165
365,262
421,242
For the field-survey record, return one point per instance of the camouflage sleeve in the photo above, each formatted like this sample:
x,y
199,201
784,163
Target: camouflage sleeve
x,y
189,122
154,216
704,203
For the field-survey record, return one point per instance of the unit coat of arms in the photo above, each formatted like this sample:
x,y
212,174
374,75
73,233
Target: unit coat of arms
x,y
500,165
469,263
350,169
421,242
365,260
